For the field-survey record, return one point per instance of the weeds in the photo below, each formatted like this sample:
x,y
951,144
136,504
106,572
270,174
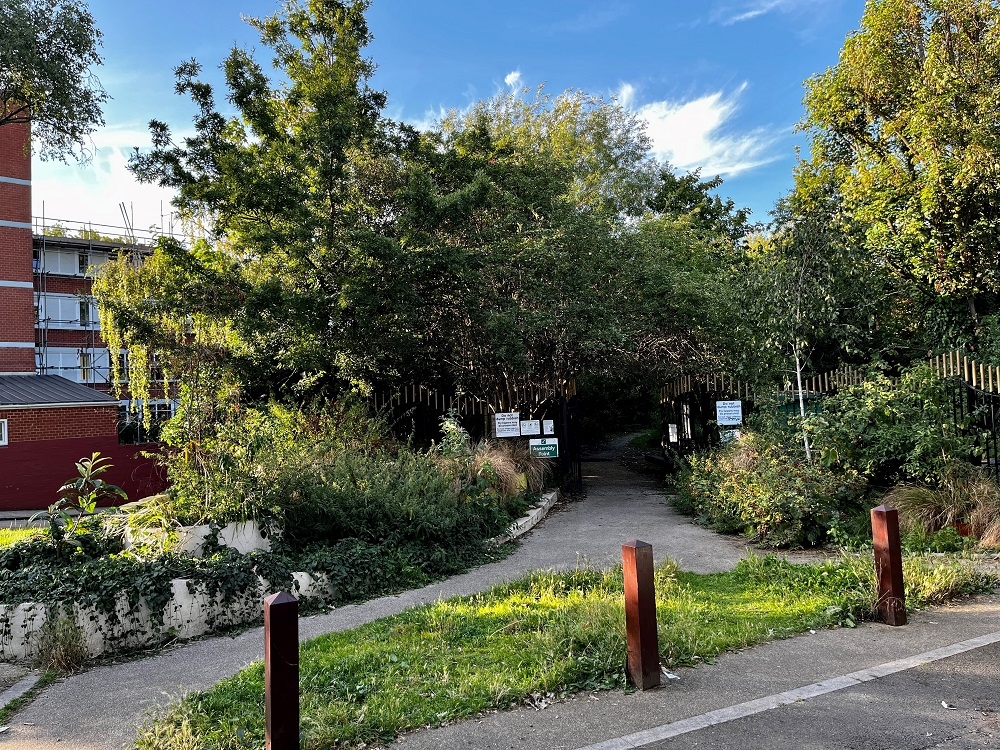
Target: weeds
x,y
61,645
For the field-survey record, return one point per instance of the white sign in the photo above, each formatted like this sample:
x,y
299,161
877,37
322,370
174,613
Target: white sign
x,y
728,436
729,412
507,424
544,447
672,431
531,427
548,427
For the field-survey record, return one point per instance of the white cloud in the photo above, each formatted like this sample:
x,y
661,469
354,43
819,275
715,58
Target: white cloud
x,y
695,133
91,193
744,10
513,79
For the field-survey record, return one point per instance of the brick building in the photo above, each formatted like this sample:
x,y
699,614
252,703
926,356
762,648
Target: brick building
x,y
54,367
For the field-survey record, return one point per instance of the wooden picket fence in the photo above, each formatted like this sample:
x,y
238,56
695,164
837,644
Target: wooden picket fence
x,y
955,364
740,389
518,395
958,364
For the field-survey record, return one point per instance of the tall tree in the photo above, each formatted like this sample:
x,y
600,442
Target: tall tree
x,y
906,122
48,49
297,282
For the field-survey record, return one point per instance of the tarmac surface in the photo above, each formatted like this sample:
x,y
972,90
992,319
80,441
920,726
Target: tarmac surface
x,y
740,701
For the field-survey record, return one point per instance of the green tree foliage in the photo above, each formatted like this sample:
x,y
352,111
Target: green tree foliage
x,y
906,123
602,146
690,196
513,245
296,274
48,49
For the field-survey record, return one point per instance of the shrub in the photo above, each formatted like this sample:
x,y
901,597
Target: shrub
x,y
757,487
965,495
889,431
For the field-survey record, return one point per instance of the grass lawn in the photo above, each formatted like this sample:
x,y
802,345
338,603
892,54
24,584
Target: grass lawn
x,y
546,633
9,536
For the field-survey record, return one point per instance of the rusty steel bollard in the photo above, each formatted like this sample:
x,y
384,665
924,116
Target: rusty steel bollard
x,y
643,664
888,565
281,672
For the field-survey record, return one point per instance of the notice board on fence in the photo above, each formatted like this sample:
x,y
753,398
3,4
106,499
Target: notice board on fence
x,y
729,412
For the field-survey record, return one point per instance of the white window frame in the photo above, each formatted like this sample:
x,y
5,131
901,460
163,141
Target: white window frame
x,y
3,432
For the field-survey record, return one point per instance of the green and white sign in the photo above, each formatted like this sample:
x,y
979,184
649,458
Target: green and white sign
x,y
544,447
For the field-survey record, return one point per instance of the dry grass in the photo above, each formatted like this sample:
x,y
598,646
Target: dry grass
x,y
507,465
515,468
61,646
966,494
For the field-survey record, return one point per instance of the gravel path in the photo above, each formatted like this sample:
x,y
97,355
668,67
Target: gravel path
x,y
99,709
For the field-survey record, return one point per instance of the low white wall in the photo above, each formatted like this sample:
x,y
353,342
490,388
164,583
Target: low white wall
x,y
191,611
188,614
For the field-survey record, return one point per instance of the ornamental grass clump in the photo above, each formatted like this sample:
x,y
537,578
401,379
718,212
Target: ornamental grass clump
x,y
965,495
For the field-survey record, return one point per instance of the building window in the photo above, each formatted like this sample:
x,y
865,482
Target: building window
x,y
131,427
86,367
123,365
3,432
85,312
83,263
36,259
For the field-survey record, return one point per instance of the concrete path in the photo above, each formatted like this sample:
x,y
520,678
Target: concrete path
x,y
99,709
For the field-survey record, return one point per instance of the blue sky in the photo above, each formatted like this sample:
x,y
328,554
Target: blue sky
x,y
718,81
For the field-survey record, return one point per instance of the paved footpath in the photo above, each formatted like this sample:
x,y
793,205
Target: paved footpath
x,y
99,709
868,688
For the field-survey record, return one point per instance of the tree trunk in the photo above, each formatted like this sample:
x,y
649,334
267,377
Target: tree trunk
x,y
802,399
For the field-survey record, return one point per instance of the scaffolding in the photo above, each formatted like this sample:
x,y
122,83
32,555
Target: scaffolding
x,y
88,241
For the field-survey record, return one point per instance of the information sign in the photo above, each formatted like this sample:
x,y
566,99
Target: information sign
x,y
507,424
548,427
672,433
531,427
544,447
729,412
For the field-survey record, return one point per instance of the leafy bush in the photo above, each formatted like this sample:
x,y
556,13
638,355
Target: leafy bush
x,y
756,486
889,431
248,461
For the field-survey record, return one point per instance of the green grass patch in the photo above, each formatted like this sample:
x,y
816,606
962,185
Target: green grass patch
x,y
546,633
10,537
648,440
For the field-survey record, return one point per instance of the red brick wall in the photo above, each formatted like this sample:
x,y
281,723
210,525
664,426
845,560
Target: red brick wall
x,y
33,472
66,285
15,156
17,360
15,251
17,314
15,201
30,425
78,337
17,317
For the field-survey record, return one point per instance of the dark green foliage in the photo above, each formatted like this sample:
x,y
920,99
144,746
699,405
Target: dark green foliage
x,y
890,430
47,51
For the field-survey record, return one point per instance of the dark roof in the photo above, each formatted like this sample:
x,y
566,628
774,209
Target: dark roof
x,y
29,390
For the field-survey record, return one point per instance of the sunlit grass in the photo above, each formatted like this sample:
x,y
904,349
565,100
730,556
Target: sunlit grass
x,y
547,633
9,537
